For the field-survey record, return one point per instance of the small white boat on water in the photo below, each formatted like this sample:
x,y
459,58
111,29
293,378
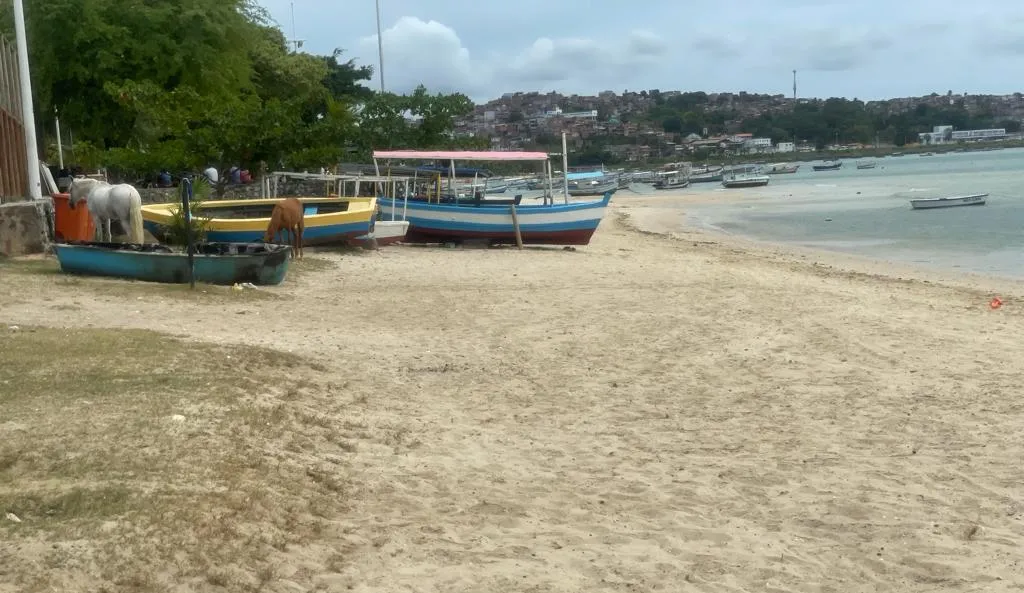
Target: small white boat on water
x,y
737,181
971,200
866,165
673,180
783,168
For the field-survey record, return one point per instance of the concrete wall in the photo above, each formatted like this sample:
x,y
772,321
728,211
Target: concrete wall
x,y
26,227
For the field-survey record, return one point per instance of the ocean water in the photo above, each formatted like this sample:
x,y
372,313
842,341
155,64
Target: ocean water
x,y
867,212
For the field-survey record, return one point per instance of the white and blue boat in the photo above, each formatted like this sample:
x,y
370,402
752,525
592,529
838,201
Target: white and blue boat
x,y
591,183
440,220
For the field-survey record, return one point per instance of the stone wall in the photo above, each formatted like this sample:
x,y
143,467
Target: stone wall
x,y
26,227
285,188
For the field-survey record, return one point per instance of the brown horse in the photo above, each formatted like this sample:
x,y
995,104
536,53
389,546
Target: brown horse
x,y
287,216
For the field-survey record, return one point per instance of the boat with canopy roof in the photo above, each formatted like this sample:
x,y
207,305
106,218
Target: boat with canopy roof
x,y
440,216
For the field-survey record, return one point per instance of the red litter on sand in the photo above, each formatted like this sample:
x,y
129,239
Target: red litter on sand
x,y
995,303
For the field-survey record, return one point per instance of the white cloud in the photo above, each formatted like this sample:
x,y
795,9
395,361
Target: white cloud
x,y
424,52
432,54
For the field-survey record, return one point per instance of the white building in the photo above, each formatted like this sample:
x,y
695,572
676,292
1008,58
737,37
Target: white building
x,y
975,135
758,145
785,147
944,134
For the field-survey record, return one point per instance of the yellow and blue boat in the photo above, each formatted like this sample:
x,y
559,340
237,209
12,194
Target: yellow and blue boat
x,y
328,221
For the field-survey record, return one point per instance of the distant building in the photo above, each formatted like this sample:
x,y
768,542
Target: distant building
x,y
557,112
974,135
785,147
758,145
944,134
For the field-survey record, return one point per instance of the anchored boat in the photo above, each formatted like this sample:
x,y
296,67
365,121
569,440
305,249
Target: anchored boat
x,y
947,202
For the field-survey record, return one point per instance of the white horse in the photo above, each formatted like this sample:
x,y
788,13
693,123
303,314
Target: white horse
x,y
107,202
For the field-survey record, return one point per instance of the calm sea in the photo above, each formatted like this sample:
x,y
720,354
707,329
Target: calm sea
x,y
867,212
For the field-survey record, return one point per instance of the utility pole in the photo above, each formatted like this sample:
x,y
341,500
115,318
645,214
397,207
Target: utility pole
x,y
28,112
380,49
794,86
296,42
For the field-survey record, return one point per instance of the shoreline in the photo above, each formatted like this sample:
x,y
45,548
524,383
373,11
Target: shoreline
x,y
643,216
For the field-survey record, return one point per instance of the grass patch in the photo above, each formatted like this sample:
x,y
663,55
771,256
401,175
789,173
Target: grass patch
x,y
137,461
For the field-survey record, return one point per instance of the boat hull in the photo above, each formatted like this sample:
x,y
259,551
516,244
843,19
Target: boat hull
x,y
741,183
214,263
594,190
385,232
706,178
930,203
330,228
558,224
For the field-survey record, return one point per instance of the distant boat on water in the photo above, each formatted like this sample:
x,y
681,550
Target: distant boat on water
x,y
739,181
673,180
947,202
783,168
829,166
866,165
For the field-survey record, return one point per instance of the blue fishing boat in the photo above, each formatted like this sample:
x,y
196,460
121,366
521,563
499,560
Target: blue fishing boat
x,y
214,263
438,218
495,221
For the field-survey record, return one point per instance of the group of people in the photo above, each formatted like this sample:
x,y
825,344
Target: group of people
x,y
236,175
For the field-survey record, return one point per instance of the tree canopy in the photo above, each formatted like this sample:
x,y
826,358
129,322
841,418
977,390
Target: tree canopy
x,y
817,121
183,84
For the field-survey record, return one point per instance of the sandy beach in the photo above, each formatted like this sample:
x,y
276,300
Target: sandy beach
x,y
662,410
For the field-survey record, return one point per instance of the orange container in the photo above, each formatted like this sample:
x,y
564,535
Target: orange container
x,y
71,225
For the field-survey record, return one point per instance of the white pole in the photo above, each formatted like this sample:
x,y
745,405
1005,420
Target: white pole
x,y
60,147
28,112
565,169
380,49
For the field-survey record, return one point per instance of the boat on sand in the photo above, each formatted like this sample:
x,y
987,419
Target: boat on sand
x,y
328,221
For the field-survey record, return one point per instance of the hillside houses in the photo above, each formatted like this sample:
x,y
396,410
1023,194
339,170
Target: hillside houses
x,y
627,124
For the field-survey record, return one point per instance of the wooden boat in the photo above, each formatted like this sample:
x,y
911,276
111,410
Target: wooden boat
x,y
214,263
432,220
328,221
592,184
829,166
385,232
739,181
866,165
672,181
947,202
539,224
783,169
708,177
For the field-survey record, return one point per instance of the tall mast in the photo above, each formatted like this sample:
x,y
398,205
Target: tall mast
x,y
28,112
380,49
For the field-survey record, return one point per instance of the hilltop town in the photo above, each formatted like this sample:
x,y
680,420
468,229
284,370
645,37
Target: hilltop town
x,y
653,124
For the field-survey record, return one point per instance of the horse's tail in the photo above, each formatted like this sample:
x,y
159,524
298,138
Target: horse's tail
x,y
135,234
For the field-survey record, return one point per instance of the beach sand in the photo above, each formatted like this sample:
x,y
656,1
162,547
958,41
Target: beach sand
x,y
648,413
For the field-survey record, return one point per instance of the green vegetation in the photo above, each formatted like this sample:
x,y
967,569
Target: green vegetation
x,y
183,85
177,231
820,122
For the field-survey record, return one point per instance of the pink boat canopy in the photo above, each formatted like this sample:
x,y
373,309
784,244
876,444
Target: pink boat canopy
x,y
461,155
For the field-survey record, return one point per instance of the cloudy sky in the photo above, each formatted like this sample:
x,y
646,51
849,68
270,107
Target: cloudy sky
x,y
870,49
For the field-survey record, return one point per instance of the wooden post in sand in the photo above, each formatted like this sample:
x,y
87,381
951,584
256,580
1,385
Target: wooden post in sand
x,y
515,226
